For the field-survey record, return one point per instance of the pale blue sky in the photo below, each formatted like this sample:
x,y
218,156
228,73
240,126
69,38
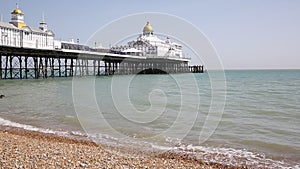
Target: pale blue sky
x,y
250,34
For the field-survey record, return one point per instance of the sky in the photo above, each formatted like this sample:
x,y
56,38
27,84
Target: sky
x,y
249,34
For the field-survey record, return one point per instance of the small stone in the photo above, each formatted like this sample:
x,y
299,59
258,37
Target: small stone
x,y
83,164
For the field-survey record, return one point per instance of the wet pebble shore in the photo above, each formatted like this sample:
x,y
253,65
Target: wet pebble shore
x,y
25,149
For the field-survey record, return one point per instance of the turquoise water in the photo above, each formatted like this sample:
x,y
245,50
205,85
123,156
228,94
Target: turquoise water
x,y
259,126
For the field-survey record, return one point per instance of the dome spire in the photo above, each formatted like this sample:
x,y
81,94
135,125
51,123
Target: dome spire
x,y
17,10
43,24
17,17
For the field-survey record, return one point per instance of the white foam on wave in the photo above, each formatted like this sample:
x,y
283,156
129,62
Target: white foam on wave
x,y
72,134
228,156
4,122
106,139
77,133
220,155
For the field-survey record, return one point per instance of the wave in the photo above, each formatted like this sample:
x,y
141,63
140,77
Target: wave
x,y
8,123
230,156
221,155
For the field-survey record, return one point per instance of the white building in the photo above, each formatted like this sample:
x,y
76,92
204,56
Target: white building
x,y
150,45
17,34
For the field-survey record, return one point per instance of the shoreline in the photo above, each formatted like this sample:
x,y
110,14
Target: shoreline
x,y
20,148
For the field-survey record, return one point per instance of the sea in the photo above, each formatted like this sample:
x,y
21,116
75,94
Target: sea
x,y
245,118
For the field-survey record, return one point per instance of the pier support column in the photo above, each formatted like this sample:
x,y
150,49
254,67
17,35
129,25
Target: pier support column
x,y
109,68
45,65
0,66
72,68
52,67
87,67
116,68
59,67
112,67
80,66
124,68
5,69
98,68
26,67
20,67
11,67
105,68
35,63
66,67
94,67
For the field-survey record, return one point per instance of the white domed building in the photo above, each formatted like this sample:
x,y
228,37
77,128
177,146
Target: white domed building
x,y
17,34
150,46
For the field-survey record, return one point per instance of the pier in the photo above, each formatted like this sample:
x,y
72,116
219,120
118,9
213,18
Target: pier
x,y
27,63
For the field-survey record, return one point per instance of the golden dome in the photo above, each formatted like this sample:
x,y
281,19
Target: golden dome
x,y
148,27
17,11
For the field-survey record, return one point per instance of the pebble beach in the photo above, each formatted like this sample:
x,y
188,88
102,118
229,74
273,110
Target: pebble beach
x,y
28,149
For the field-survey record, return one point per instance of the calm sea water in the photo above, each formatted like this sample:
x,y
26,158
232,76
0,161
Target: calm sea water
x,y
258,127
